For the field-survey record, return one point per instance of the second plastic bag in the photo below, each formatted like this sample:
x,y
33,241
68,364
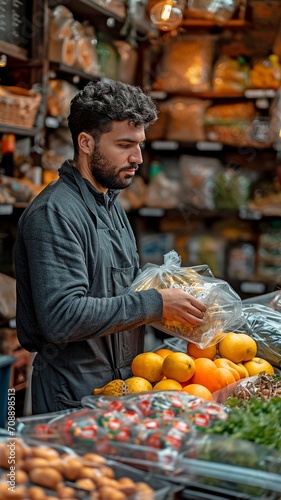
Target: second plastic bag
x,y
224,306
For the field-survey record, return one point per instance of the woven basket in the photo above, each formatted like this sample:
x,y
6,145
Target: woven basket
x,y
18,106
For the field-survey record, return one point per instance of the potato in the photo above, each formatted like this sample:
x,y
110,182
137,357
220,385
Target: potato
x,y
85,484
46,477
21,476
36,493
145,490
66,492
34,463
19,493
72,467
109,493
107,471
107,481
93,457
45,452
11,450
127,485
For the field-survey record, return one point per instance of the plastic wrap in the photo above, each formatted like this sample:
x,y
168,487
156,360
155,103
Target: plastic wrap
x,y
263,323
56,471
224,307
230,468
261,386
149,427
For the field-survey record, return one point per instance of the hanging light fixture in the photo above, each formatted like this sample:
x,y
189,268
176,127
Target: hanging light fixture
x,y
166,15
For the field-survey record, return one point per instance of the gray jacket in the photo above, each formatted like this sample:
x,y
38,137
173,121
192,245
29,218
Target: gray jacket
x,y
75,256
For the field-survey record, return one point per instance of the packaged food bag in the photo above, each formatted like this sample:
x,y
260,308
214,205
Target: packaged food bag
x,y
263,323
224,306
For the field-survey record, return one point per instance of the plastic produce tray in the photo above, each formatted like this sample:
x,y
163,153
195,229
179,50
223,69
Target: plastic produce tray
x,y
211,480
162,489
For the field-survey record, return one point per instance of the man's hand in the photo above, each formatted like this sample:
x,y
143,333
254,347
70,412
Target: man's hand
x,y
180,306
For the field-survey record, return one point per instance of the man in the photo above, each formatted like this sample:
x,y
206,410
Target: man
x,y
76,255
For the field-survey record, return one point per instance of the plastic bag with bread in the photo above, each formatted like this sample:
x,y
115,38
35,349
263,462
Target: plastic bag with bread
x,y
224,306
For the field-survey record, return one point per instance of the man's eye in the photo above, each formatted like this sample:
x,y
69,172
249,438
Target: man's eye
x,y
142,145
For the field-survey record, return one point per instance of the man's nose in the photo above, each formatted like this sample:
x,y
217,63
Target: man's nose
x,y
136,156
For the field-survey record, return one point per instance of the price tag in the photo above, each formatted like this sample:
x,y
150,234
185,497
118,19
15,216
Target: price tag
x,y
209,146
165,145
259,93
158,94
151,212
255,288
52,122
6,209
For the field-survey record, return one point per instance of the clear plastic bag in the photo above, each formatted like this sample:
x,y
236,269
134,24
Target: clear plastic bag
x,y
263,323
219,11
224,307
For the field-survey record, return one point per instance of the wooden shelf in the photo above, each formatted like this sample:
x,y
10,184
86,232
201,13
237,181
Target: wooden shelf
x,y
98,14
247,94
63,69
13,51
206,23
87,9
10,129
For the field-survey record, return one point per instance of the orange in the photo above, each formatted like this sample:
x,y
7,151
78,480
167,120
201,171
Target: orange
x,y
148,365
167,385
196,352
138,384
163,352
198,390
258,365
227,377
236,346
178,366
229,365
242,370
207,374
251,345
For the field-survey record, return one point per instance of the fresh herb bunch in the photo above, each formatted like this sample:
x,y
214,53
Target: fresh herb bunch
x,y
254,420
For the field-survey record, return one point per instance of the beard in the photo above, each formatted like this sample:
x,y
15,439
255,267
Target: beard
x,y
106,174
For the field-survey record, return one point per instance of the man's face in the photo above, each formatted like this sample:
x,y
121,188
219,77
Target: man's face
x,y
117,156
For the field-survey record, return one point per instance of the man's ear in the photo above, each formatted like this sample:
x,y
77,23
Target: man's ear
x,y
86,143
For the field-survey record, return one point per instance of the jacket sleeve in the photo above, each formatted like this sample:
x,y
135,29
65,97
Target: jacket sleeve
x,y
59,284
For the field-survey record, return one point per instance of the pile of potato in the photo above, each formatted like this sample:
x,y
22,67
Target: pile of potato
x,y
43,473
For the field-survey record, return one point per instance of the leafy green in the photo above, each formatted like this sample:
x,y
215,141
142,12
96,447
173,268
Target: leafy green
x,y
253,420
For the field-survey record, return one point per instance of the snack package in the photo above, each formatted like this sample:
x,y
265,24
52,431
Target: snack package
x,y
186,64
224,307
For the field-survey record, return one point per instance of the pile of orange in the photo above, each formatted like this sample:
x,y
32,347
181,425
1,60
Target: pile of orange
x,y
199,371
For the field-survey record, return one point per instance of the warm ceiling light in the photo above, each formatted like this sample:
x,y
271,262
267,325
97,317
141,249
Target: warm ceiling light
x,y
166,15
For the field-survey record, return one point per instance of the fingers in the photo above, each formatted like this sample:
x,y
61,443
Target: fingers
x,y
196,304
183,307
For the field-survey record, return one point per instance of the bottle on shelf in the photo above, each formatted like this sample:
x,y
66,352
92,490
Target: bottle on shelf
x,y
8,148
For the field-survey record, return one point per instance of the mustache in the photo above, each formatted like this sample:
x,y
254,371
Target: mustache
x,y
132,165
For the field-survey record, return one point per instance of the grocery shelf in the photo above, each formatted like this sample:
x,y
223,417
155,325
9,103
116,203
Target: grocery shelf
x,y
10,129
63,70
13,51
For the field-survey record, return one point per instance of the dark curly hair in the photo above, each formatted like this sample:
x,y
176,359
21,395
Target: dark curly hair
x,y
99,104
